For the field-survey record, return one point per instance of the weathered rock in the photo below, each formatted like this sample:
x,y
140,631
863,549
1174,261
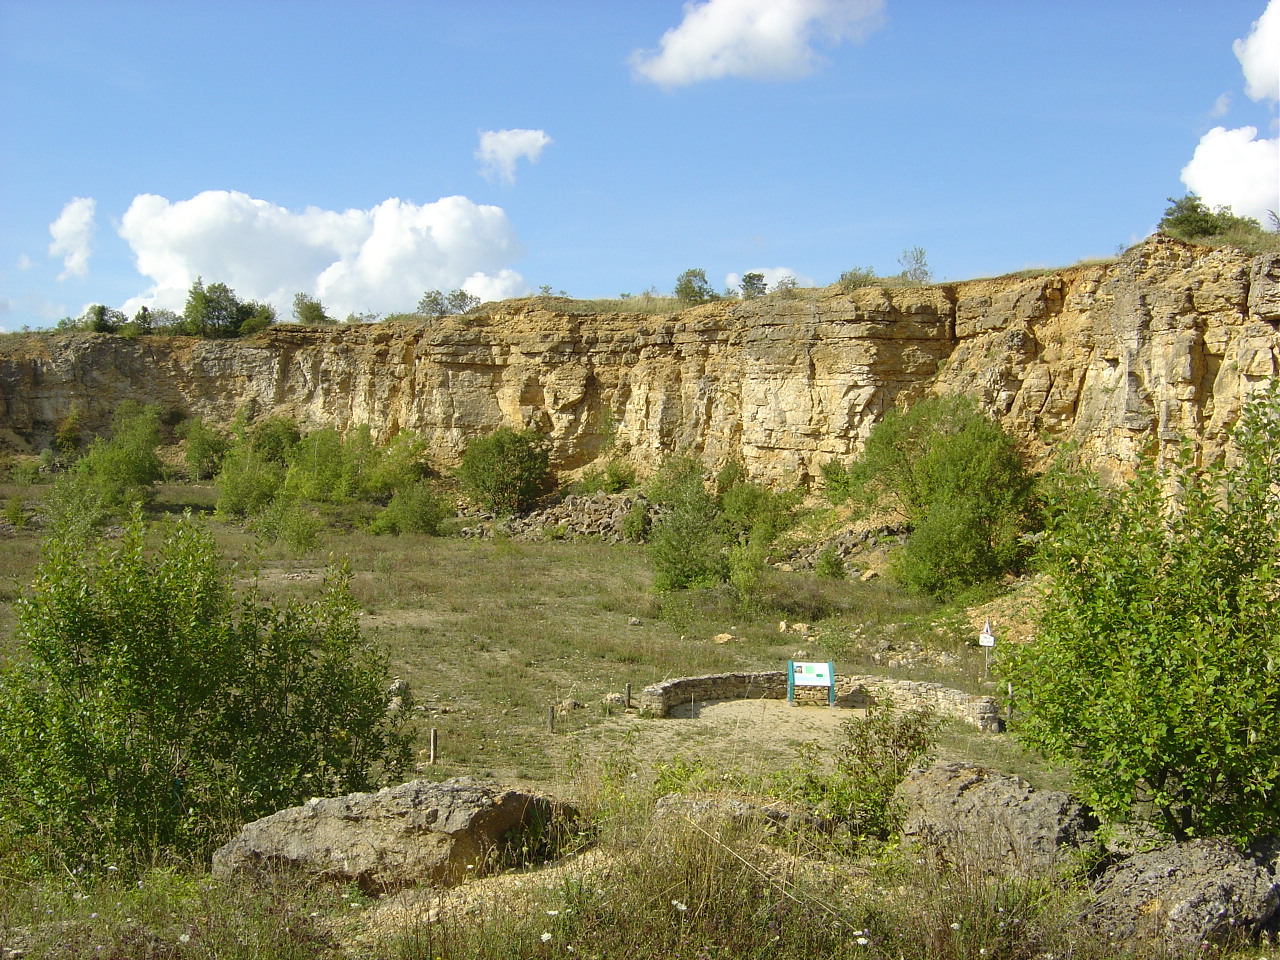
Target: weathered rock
x,y
1184,894
1165,342
414,833
742,811
965,814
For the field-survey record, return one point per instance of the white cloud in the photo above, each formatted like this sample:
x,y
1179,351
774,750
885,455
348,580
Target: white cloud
x,y
1259,55
379,260
771,277
1221,106
1232,168
72,235
25,263
500,149
770,39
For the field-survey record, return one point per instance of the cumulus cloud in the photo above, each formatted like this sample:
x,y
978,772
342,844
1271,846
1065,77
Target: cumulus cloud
x,y
379,260
771,39
500,149
25,263
1234,167
771,277
72,236
1259,55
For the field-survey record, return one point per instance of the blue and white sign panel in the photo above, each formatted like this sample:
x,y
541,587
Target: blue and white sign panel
x,y
802,674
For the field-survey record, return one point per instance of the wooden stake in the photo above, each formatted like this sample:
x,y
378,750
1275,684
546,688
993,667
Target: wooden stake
x,y
628,695
432,756
551,718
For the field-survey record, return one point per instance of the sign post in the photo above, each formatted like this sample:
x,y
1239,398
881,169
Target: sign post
x,y
800,674
986,640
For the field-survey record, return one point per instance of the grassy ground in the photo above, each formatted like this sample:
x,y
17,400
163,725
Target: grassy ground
x,y
491,634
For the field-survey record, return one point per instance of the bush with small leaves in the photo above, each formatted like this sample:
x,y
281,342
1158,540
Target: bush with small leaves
x,y
829,565
507,470
857,278
414,508
154,707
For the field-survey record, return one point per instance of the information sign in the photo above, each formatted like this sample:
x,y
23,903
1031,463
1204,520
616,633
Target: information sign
x,y
803,674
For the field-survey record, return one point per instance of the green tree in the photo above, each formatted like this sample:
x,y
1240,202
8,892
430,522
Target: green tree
x,y
753,286
154,709
507,470
310,311
956,477
857,278
435,303
124,467
692,287
915,266
205,448
1155,672
1189,218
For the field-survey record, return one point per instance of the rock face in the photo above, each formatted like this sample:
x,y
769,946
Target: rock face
x,y
1184,893
965,814
1166,341
414,833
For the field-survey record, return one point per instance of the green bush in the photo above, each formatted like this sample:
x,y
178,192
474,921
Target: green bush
x,y
857,278
205,448
829,565
637,524
291,522
692,287
1155,673
124,468
506,471
871,759
957,479
415,508
321,468
153,710
248,481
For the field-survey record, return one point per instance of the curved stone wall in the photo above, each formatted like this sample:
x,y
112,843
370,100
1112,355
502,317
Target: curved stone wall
x,y
658,699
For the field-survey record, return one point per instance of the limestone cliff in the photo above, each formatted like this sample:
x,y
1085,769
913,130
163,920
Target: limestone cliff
x,y
1165,342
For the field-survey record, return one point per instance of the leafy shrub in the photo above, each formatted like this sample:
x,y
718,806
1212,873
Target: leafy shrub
x,y
857,278
614,477
1155,673
398,464
291,522
415,508
872,758
153,711
637,524
206,446
956,477
124,468
320,468
248,481
507,470
829,565
692,287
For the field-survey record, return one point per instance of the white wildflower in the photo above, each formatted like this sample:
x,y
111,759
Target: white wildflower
x,y
546,935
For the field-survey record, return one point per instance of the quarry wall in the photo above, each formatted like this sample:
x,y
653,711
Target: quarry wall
x,y
1166,342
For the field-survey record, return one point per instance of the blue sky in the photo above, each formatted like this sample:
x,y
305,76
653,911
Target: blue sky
x,y
366,152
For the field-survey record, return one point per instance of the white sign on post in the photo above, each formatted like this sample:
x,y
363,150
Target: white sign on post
x,y
811,674
986,638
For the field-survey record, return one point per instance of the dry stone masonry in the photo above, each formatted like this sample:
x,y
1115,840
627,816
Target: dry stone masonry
x,y
659,699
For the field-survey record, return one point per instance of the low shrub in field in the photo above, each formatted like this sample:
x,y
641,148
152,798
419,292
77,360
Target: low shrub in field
x,y
152,709
507,470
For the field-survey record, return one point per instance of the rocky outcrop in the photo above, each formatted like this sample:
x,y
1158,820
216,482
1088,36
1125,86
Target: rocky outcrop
x,y
1186,894
1165,342
964,814
414,833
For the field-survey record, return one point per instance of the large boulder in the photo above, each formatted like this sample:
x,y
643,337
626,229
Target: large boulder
x,y
965,814
416,833
1185,894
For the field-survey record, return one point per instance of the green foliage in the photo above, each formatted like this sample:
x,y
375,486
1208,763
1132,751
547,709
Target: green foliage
x,y
871,759
291,522
753,285
205,448
434,303
123,469
915,266
637,524
273,438
829,565
692,287
615,477
216,312
310,311
15,511
957,479
248,481
1189,218
856,278
153,711
66,435
1155,673
414,508
507,470
398,464
320,468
